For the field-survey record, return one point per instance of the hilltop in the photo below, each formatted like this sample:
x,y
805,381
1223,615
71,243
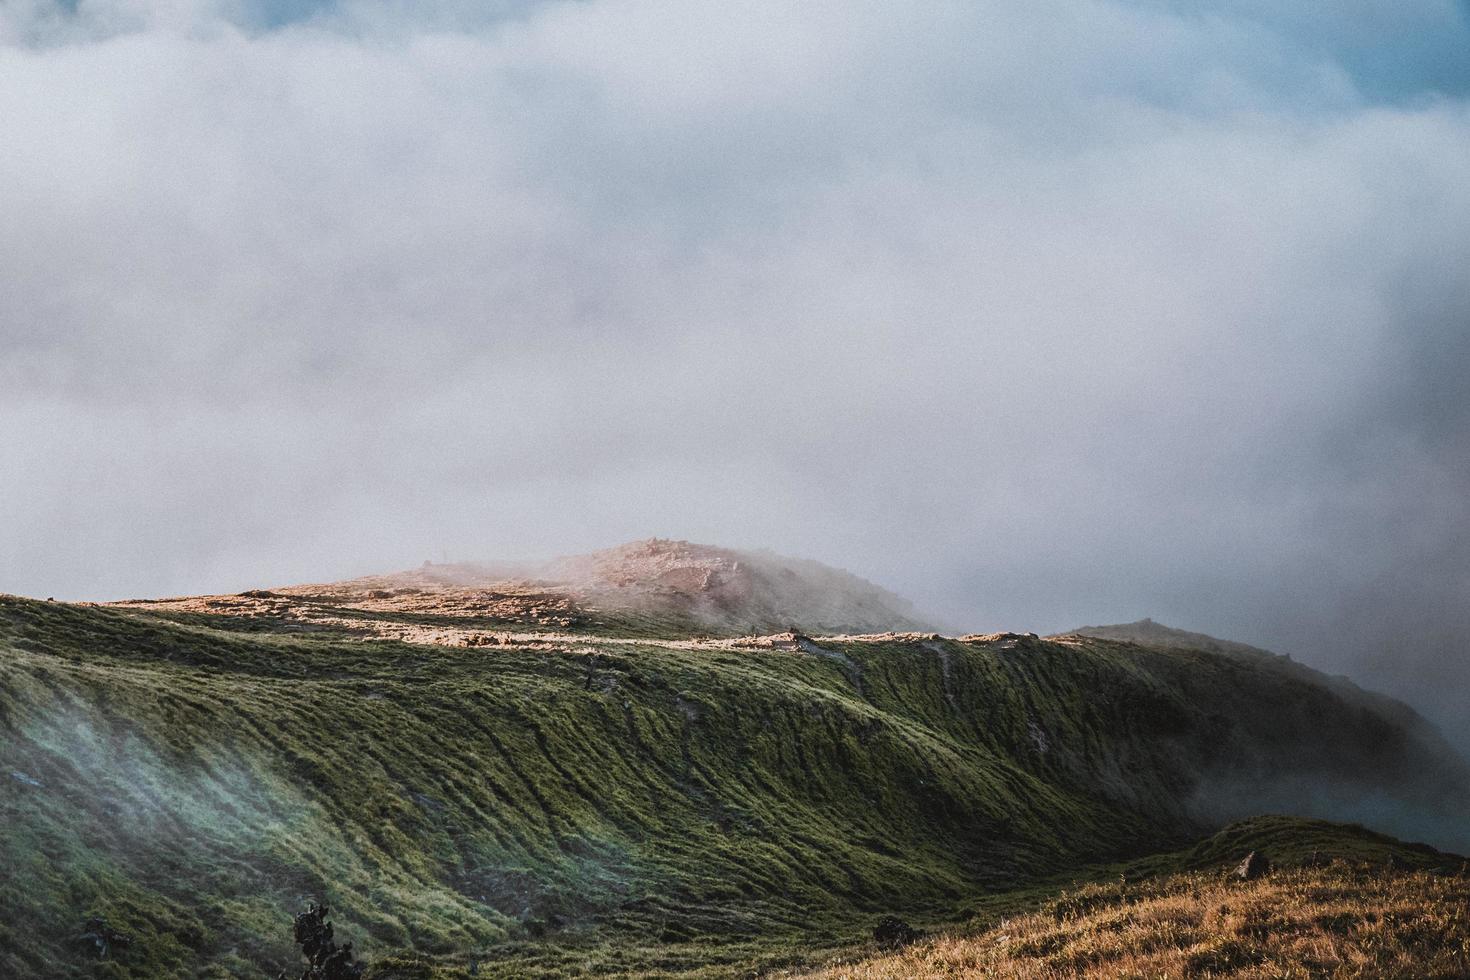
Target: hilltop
x,y
655,587
1149,633
599,770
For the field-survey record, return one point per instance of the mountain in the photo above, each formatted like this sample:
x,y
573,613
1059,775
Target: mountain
x,y
497,774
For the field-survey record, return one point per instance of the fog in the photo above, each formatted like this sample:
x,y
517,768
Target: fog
x,y
1041,314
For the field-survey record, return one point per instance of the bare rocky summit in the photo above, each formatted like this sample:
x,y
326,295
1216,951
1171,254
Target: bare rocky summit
x,y
727,589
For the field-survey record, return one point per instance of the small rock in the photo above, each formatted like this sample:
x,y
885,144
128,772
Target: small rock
x,y
1254,866
103,938
891,932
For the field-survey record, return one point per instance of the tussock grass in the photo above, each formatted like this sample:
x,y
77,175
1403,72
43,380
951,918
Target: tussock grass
x,y
1340,920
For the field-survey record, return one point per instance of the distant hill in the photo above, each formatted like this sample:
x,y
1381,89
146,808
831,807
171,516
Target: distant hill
x,y
1146,632
1149,633
652,587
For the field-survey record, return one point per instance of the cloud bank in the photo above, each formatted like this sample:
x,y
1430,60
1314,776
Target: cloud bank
x,y
1042,313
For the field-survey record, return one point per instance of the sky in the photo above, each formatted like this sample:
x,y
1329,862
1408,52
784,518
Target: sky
x,y
1041,313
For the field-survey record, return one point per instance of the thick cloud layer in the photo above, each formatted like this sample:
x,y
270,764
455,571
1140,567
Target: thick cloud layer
x,y
1043,313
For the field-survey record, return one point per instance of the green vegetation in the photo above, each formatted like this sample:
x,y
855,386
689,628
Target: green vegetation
x,y
588,805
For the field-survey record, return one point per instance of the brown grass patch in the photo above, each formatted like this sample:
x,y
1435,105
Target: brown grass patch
x,y
1337,921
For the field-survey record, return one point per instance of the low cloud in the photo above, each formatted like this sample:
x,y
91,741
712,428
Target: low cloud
x,y
1043,313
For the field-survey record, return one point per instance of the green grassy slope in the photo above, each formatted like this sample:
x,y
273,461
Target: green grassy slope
x,y
592,805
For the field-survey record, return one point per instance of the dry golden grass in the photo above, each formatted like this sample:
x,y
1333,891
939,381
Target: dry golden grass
x,y
1336,921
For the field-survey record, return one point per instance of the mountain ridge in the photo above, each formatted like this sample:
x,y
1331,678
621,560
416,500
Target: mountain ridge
x,y
510,776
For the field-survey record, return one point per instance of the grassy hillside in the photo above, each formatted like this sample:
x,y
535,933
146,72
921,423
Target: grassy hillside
x,y
1340,902
577,803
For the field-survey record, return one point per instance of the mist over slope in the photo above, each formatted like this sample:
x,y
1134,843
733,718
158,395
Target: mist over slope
x,y
1251,785
1146,632
505,774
